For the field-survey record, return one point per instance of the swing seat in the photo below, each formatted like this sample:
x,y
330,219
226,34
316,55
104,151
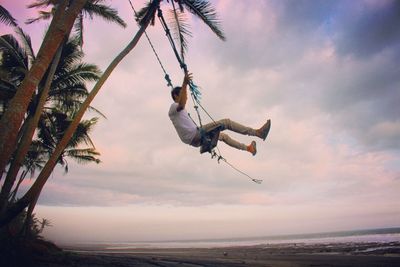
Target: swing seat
x,y
209,139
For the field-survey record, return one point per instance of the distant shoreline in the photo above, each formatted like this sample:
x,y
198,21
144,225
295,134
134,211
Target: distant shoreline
x,y
372,254
383,235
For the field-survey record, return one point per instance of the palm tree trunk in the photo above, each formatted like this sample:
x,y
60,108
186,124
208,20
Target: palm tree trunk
x,y
21,179
12,118
37,187
35,121
26,140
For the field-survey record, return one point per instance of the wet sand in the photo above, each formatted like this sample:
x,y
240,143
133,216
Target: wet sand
x,y
273,255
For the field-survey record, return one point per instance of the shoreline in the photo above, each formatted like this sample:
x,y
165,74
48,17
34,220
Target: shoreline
x,y
370,254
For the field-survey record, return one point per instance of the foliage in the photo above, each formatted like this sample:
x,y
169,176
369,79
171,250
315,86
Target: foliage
x,y
178,21
68,90
6,18
22,239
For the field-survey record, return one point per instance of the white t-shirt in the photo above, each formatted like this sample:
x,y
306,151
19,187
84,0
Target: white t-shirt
x,y
184,125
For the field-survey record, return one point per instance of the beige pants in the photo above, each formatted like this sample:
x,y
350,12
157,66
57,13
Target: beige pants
x,y
227,124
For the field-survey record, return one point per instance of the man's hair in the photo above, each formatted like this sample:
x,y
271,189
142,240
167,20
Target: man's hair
x,y
175,91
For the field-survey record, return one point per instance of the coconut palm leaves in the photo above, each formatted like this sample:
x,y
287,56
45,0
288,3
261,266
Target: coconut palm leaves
x,y
67,91
26,42
177,20
6,17
92,8
13,68
69,84
51,129
181,29
68,88
207,13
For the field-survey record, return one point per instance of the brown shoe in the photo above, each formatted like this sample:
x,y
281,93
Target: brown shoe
x,y
264,130
252,148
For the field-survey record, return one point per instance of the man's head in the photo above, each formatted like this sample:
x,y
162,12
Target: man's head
x,y
175,93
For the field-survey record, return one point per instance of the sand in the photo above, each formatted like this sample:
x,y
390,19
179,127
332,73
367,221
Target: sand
x,y
273,255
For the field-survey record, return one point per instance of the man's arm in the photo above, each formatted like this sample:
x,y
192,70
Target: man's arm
x,y
183,93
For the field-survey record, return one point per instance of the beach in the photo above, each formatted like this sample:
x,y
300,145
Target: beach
x,y
280,255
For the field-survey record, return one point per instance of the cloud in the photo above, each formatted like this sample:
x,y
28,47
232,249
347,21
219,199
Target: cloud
x,y
366,29
309,87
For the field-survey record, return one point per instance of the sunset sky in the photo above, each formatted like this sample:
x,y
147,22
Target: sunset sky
x,y
326,73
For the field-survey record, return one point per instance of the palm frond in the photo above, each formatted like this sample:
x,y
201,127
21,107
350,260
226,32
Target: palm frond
x,y
78,26
7,87
10,45
97,112
50,128
139,15
180,5
147,13
63,162
181,29
9,79
35,158
67,104
206,12
26,39
103,11
81,135
43,15
72,93
71,54
83,156
41,3
6,17
78,74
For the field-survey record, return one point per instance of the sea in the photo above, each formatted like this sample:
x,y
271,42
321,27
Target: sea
x,y
383,236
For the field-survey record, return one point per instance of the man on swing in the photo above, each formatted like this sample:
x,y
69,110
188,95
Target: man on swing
x,y
190,134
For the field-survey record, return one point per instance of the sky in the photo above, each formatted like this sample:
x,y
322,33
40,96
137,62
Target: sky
x,y
325,72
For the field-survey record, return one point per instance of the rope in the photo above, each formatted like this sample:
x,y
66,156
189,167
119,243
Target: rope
x,y
171,40
196,107
166,76
219,157
195,93
193,88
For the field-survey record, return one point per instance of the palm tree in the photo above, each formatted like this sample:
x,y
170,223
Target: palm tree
x,y
200,8
68,89
11,120
91,8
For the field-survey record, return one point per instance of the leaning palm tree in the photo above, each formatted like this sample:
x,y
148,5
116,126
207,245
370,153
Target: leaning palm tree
x,y
200,8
